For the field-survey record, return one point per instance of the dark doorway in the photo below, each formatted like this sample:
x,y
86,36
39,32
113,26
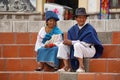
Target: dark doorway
x,y
68,4
50,1
71,3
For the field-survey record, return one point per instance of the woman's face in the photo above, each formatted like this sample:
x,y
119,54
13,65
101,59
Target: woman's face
x,y
66,15
51,23
81,20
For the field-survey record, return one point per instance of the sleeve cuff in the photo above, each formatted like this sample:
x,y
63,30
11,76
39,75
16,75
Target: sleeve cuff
x,y
73,42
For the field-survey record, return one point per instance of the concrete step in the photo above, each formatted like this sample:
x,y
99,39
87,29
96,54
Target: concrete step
x,y
109,37
30,75
18,59
34,26
104,65
116,38
18,38
18,64
30,37
17,50
111,51
109,65
27,50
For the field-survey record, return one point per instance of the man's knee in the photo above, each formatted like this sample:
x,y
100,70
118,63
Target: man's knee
x,y
76,45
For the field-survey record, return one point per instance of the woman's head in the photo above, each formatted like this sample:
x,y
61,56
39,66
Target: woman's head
x,y
51,23
51,15
67,14
51,18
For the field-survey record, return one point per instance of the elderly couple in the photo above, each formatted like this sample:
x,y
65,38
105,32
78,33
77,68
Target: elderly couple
x,y
82,41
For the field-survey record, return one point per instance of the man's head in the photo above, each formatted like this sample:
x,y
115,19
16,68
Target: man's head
x,y
81,16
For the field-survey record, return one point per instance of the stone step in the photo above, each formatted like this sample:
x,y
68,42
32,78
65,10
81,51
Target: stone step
x,y
30,37
30,75
17,38
34,26
104,65
111,51
27,50
108,65
109,37
18,64
116,38
17,50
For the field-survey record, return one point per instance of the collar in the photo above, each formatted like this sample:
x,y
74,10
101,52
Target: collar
x,y
82,26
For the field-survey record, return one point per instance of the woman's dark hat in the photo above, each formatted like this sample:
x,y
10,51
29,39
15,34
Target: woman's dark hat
x,y
81,11
51,15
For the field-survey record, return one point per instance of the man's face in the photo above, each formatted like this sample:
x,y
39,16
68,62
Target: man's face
x,y
81,19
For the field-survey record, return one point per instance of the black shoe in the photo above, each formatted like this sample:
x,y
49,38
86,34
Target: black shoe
x,y
38,69
55,69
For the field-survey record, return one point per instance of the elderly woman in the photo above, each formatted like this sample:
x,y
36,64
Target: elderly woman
x,y
47,42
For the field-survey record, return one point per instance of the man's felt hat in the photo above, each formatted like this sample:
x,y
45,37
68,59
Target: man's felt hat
x,y
81,11
51,15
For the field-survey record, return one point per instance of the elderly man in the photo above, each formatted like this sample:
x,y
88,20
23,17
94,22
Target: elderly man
x,y
82,42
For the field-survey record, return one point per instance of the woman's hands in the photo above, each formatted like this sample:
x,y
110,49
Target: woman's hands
x,y
66,42
49,45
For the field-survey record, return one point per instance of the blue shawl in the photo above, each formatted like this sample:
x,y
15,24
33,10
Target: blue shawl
x,y
48,36
86,34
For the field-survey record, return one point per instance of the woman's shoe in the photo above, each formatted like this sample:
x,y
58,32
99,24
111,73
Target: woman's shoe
x,y
39,70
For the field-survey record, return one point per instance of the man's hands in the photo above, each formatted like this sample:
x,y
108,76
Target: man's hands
x,y
67,42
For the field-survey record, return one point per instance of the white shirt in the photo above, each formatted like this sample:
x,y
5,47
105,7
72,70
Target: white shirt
x,y
40,37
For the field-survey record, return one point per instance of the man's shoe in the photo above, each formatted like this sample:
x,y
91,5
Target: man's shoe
x,y
80,70
63,70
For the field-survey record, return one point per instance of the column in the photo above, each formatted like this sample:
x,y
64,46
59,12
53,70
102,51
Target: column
x,y
40,5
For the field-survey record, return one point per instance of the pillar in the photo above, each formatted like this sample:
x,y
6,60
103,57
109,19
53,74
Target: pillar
x,y
40,6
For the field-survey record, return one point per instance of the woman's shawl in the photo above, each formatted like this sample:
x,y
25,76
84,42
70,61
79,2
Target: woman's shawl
x,y
86,34
48,36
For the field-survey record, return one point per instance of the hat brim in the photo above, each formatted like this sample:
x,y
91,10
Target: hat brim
x,y
56,19
82,15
